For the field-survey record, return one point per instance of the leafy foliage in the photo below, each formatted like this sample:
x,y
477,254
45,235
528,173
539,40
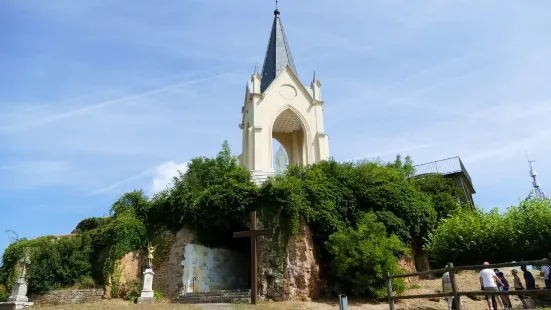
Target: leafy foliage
x,y
471,237
364,256
213,198
55,263
3,294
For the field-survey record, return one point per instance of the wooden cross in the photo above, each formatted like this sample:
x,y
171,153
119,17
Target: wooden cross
x,y
253,234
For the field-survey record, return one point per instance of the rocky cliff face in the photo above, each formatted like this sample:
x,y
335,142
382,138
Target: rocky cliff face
x,y
168,265
290,274
408,264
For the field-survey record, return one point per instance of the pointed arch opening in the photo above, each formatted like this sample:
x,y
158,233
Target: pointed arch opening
x,y
290,132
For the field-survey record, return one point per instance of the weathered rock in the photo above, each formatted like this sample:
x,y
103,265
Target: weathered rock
x,y
293,272
297,276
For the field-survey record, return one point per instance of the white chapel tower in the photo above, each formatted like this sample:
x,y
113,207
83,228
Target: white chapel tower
x,y
277,105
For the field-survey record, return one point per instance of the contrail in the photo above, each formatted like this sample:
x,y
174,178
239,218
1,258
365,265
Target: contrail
x,y
121,182
114,101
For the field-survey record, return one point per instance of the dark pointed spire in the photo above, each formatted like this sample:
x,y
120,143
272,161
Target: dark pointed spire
x,y
278,54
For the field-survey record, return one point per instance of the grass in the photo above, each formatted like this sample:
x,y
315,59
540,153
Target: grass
x,y
467,281
117,304
313,305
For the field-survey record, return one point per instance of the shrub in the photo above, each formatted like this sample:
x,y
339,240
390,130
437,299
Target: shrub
x,y
364,256
86,282
3,294
470,238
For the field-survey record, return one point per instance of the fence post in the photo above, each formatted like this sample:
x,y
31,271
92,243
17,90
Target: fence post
x,y
389,292
456,300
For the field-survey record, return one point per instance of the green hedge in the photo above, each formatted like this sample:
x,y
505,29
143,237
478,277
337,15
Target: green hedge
x,y
521,233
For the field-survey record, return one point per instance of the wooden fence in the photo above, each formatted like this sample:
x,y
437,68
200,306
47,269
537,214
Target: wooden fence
x,y
457,294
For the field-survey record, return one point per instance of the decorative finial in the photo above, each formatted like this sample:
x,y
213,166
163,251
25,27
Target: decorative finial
x,y
256,68
276,12
314,79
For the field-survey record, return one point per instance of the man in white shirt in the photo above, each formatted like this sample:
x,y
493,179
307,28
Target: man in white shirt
x,y
546,274
489,282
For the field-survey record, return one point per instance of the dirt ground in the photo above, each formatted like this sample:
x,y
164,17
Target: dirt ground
x,y
467,281
116,304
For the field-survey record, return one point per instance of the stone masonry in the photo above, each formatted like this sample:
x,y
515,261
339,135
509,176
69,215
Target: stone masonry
x,y
68,297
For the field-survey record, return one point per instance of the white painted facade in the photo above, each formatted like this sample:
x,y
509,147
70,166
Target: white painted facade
x,y
287,112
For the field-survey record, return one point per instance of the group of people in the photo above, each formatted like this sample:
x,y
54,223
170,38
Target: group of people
x,y
494,281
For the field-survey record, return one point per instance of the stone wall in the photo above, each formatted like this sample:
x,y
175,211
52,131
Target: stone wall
x,y
180,260
169,273
300,275
8,306
299,279
67,297
167,266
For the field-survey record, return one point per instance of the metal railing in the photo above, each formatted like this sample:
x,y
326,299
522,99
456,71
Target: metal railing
x,y
456,294
443,166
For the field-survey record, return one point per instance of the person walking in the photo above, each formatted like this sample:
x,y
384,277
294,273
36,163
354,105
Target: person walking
x,y
489,282
504,287
447,288
530,285
528,278
517,284
546,274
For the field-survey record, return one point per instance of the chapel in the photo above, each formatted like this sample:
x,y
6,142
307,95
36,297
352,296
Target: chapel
x,y
278,106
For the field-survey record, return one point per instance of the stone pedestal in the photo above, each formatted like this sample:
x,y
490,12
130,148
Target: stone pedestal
x,y
18,299
147,291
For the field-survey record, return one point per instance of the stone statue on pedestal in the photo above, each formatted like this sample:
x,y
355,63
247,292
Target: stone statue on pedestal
x,y
281,160
147,295
18,298
150,251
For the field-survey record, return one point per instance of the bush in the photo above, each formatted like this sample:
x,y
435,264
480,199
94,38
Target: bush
x,y
213,198
54,263
86,282
364,256
3,294
470,238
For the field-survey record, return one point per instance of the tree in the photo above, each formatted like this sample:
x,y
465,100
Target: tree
x,y
213,197
363,256
469,237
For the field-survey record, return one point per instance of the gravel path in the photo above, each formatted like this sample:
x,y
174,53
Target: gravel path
x,y
214,306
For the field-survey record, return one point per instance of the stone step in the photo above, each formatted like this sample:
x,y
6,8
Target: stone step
x,y
221,296
244,293
216,295
210,299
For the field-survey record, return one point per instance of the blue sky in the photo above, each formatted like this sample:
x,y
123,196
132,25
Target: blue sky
x,y
102,97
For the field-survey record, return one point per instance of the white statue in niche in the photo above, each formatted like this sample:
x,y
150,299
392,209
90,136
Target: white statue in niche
x,y
281,160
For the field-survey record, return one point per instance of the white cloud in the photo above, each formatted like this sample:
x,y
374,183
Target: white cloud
x,y
165,173
434,80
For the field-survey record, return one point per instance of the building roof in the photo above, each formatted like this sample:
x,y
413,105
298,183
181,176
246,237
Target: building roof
x,y
278,54
447,166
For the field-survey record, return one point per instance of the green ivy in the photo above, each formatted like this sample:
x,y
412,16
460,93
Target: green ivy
x,y
214,197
